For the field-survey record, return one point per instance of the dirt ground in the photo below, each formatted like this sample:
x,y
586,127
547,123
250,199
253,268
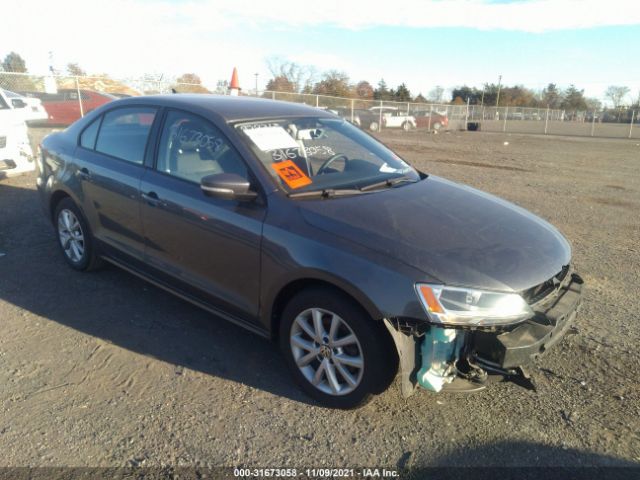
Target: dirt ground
x,y
103,369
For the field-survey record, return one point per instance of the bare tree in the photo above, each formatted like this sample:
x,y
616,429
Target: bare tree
x,y
302,77
436,94
333,83
189,83
75,70
616,94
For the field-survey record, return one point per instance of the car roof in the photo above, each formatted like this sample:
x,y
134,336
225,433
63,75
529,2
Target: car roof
x,y
229,108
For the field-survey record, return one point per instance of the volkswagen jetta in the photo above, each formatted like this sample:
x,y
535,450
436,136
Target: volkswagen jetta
x,y
300,227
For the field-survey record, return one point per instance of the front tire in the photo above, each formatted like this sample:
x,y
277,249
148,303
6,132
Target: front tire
x,y
374,127
74,237
336,353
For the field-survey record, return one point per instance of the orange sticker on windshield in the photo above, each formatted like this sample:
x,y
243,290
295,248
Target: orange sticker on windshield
x,y
291,174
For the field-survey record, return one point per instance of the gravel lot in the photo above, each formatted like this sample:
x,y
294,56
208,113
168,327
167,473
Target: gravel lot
x,y
103,369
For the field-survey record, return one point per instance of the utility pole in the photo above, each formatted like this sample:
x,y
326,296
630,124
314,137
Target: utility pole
x,y
499,84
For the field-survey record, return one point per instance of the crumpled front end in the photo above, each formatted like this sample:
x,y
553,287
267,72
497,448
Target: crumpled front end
x,y
440,358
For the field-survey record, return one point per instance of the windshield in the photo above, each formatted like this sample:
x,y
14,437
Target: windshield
x,y
306,154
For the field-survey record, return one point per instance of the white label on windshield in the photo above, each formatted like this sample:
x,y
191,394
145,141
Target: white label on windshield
x,y
385,168
271,138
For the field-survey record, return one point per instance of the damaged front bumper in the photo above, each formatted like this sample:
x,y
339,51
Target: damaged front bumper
x,y
438,358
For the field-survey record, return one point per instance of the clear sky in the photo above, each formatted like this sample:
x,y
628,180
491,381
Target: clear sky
x,y
591,43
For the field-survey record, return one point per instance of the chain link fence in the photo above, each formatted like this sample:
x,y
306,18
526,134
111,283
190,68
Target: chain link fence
x,y
66,98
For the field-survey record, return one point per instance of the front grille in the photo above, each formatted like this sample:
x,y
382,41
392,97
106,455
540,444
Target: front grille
x,y
535,294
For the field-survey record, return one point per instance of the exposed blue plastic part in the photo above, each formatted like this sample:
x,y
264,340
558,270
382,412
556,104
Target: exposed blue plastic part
x,y
440,348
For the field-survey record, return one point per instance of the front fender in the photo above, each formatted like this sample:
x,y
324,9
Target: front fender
x,y
382,286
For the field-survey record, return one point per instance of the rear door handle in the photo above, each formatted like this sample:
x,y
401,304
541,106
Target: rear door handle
x,y
152,199
84,173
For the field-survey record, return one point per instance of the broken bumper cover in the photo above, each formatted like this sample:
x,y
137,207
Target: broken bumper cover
x,y
500,351
529,340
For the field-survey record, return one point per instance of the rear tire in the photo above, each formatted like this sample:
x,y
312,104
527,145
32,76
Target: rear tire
x,y
337,354
374,127
437,126
74,237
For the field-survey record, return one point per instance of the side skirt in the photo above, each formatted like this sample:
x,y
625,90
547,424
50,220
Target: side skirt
x,y
230,318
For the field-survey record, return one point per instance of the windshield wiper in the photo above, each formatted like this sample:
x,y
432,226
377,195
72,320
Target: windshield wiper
x,y
325,193
389,182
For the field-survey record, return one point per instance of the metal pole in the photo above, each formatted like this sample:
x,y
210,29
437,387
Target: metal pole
x,y
256,74
352,110
499,83
633,113
273,95
466,118
506,114
317,101
593,123
380,118
546,121
79,97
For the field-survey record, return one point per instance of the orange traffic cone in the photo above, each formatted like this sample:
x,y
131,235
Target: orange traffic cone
x,y
234,88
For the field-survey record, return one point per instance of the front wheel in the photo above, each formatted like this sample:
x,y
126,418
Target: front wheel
x,y
337,354
406,126
374,127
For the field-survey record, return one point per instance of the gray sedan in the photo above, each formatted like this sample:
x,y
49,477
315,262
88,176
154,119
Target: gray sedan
x,y
302,228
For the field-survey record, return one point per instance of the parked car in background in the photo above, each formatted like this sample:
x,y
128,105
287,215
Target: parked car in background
x,y
298,226
63,108
431,120
16,155
393,117
345,112
368,120
31,109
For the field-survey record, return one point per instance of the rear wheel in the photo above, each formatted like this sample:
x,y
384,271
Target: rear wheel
x,y
437,126
74,237
374,127
336,353
406,126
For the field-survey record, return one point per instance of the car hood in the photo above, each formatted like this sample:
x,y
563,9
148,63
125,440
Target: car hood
x,y
454,233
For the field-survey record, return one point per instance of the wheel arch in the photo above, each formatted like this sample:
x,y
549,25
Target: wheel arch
x,y
293,287
56,198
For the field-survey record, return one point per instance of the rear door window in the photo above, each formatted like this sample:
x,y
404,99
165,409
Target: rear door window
x,y
124,133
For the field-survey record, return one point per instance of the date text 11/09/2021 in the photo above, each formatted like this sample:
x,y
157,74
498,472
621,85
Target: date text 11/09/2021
x,y
315,472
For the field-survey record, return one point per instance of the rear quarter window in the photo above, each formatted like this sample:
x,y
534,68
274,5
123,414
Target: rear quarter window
x,y
89,134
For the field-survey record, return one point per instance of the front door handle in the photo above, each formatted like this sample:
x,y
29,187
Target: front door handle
x,y
152,199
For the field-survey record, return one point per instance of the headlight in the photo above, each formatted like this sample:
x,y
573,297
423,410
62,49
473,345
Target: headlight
x,y
470,307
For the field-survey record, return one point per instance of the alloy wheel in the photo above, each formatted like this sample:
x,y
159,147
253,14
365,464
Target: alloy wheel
x,y
327,351
71,235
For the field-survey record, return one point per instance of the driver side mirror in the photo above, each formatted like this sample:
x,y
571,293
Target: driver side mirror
x,y
228,186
